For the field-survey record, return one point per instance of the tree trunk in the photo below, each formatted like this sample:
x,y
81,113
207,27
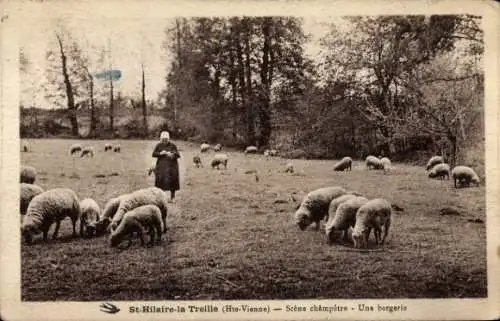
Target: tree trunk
x,y
264,106
241,75
111,108
69,91
144,107
248,76
93,121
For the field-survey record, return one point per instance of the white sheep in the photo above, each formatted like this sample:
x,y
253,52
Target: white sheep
x,y
197,161
374,214
89,213
117,149
315,204
250,150
144,196
143,219
218,147
28,174
108,212
204,147
441,171
289,168
50,207
464,175
107,147
219,159
344,217
87,151
28,191
373,162
434,161
344,164
332,208
75,148
386,164
271,152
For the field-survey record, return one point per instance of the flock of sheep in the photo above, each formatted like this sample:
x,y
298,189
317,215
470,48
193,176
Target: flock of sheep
x,y
144,211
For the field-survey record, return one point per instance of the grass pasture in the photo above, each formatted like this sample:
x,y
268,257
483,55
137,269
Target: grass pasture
x,y
229,239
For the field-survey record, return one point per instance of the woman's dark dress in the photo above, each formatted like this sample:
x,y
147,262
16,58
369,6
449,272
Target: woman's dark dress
x,y
167,169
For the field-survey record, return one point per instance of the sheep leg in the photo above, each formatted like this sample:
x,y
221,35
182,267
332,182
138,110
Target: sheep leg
x,y
73,223
151,233
386,229
316,225
82,223
56,231
346,235
140,233
157,227
45,234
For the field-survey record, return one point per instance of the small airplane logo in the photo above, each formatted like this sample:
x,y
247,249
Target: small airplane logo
x,y
109,308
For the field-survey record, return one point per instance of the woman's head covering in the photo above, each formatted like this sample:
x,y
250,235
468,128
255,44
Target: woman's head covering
x,y
164,135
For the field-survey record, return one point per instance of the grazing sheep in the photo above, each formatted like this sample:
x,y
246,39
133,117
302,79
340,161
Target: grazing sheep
x,y
197,161
434,161
271,152
50,207
204,147
289,168
344,164
28,174
89,213
250,150
144,196
372,215
219,159
107,147
315,206
87,151
344,217
218,147
108,212
464,175
335,203
117,149
440,170
25,147
373,162
143,219
75,148
28,191
386,164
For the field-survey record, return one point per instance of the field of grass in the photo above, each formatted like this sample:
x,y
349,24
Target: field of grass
x,y
229,239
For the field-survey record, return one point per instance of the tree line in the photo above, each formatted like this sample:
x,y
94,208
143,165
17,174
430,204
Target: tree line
x,y
400,86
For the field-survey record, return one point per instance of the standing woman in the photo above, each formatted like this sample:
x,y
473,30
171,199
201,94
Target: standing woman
x,y
167,168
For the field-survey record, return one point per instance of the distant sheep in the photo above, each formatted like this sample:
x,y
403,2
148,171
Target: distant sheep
x,y
441,171
197,161
386,164
50,207
344,217
374,214
344,164
204,147
218,147
89,213
143,219
117,149
28,174
219,159
434,161
271,152
250,150
28,192
463,176
107,147
314,206
289,168
75,148
144,196
87,151
373,162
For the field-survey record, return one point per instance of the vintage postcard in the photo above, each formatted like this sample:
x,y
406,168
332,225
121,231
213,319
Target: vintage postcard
x,y
249,160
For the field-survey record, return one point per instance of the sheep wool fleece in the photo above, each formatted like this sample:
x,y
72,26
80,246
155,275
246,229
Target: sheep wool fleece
x,y
167,169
